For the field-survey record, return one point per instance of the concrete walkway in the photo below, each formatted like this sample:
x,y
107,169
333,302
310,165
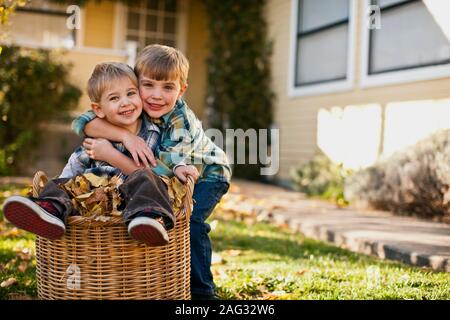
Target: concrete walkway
x,y
410,240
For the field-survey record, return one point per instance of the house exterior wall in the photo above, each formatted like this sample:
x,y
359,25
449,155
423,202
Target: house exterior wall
x,y
357,126
99,24
197,52
83,62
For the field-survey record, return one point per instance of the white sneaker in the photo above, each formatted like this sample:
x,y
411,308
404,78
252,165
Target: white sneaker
x,y
149,231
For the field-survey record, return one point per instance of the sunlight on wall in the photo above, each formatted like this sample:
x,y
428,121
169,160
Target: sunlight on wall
x,y
409,121
440,9
350,135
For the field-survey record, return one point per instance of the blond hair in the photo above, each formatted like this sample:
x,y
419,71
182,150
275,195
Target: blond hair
x,y
161,62
103,74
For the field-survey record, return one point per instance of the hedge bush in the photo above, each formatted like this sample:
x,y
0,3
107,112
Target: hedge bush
x,y
415,181
240,94
320,177
34,90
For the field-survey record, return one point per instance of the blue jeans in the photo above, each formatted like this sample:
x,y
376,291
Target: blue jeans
x,y
206,195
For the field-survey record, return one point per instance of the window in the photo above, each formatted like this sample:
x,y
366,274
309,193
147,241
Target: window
x,y
41,24
322,46
413,43
322,40
409,38
153,21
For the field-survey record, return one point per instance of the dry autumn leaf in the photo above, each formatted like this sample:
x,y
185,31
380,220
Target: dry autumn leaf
x,y
19,296
25,254
23,266
232,252
96,181
8,283
177,192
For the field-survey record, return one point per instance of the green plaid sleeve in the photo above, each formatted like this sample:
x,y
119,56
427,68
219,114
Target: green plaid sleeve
x,y
79,123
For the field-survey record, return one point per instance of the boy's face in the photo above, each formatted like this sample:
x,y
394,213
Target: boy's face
x,y
159,96
120,104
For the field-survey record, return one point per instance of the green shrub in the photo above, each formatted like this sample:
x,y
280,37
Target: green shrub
x,y
415,181
34,90
320,177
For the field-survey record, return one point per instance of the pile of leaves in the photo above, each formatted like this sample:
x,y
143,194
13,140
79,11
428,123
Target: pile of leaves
x,y
177,192
93,195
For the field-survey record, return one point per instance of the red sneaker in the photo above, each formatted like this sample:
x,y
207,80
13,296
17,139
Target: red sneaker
x,y
39,217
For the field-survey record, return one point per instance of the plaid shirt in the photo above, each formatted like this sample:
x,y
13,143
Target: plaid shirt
x,y
79,162
182,141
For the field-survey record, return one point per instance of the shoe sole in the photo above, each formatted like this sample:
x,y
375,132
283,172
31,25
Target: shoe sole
x,y
27,215
148,231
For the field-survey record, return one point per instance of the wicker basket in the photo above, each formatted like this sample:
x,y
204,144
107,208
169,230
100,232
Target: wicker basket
x,y
99,260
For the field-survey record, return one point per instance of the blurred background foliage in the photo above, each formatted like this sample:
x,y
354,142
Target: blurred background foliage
x,y
34,90
322,178
239,77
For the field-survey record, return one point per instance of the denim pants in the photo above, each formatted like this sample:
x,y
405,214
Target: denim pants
x,y
142,192
206,195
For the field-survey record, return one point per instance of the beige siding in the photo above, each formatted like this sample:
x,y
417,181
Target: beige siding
x,y
83,62
99,24
297,118
197,53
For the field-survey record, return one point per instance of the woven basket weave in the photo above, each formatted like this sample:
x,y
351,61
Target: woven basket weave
x,y
99,260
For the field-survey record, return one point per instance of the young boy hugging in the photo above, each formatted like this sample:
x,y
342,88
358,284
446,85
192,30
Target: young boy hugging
x,y
113,90
162,72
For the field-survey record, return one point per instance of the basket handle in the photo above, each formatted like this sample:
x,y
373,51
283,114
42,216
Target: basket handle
x,y
39,181
188,201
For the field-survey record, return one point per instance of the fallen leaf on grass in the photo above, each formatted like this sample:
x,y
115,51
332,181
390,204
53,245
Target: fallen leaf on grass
x,y
23,266
214,224
19,296
11,263
274,295
301,272
232,253
8,283
14,232
216,259
24,254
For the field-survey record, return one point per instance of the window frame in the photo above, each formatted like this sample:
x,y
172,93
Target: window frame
x,y
398,75
324,86
179,15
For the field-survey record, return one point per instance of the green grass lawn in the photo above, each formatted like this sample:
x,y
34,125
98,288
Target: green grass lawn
x,y
16,255
260,261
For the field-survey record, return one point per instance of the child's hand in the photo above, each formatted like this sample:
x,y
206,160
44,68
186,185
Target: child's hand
x,y
139,150
182,172
98,149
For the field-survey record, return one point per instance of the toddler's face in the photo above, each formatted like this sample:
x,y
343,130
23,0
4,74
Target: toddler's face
x,y
120,103
159,96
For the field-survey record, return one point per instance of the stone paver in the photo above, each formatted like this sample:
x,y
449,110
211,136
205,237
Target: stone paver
x,y
407,239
